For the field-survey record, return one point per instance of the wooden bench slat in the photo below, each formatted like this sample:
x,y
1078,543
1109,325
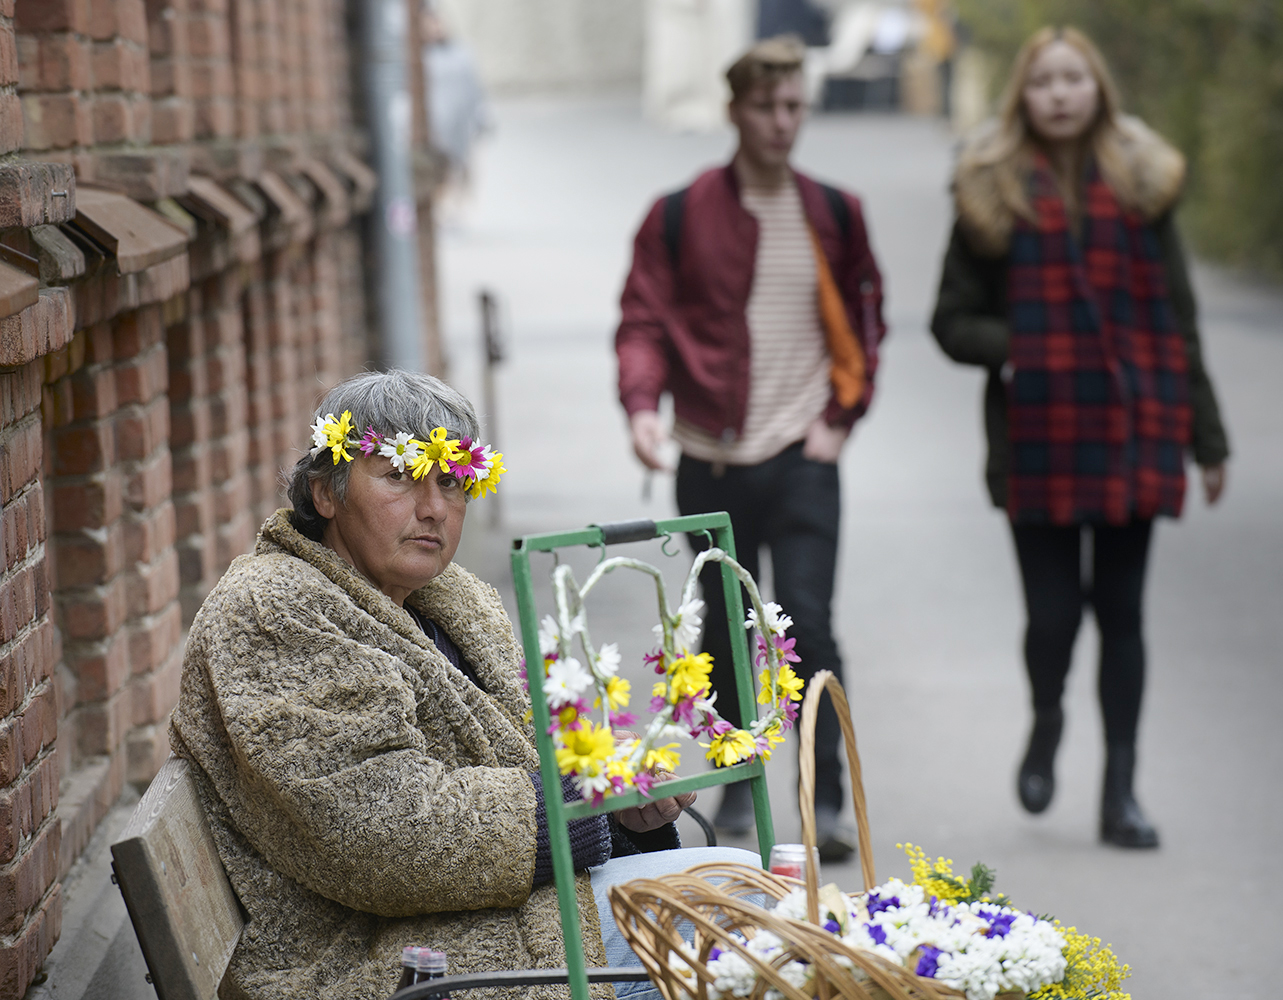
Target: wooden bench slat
x,y
183,908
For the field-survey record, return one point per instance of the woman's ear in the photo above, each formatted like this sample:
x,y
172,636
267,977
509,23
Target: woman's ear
x,y
323,498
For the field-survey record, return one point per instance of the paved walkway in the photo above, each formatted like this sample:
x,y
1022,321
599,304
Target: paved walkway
x,y
927,602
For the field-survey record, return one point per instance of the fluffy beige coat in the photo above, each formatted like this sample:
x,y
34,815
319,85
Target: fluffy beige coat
x,y
364,795
1153,172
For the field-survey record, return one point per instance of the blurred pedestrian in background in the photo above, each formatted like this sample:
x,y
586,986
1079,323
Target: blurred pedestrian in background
x,y
1064,277
458,112
754,300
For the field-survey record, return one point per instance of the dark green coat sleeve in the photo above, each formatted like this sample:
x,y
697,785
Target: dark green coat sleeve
x,y
1209,442
970,324
970,320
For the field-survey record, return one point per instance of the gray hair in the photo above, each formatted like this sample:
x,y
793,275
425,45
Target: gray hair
x,y
390,402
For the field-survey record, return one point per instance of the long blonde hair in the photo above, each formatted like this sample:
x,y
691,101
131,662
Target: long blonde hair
x,y
1009,149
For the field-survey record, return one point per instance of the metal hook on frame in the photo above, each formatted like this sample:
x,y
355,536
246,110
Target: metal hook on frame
x,y
668,537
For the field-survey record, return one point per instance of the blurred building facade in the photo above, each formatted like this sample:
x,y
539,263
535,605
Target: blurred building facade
x,y
550,45
183,269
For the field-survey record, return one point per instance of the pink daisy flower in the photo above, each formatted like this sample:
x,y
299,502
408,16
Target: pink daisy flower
x,y
475,464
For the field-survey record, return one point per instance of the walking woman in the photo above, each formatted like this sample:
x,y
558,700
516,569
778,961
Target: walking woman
x,y
1064,277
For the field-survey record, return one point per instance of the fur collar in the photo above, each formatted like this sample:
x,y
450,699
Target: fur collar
x,y
1155,168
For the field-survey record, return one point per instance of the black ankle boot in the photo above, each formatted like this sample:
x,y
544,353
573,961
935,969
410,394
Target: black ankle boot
x,y
1121,821
1037,782
735,814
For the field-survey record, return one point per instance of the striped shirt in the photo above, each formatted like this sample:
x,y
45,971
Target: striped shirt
x,y
788,356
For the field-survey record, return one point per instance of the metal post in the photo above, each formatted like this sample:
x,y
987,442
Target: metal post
x,y
492,350
395,223
563,864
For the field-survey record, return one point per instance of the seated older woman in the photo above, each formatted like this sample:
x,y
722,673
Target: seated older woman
x,y
352,703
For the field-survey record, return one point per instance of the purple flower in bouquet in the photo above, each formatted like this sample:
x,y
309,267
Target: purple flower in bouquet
x,y
618,719
999,923
929,961
684,712
876,933
569,716
878,904
714,953
656,660
937,907
718,728
832,926
644,782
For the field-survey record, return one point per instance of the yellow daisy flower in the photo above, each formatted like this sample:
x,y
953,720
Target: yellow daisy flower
x,y
586,749
729,748
336,435
665,758
688,676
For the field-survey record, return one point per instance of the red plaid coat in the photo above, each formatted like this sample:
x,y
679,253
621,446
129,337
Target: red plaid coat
x,y
1098,401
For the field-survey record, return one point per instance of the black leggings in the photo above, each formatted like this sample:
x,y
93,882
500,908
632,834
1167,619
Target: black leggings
x,y
1056,588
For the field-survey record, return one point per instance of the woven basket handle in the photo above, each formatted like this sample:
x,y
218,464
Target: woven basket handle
x,y
822,681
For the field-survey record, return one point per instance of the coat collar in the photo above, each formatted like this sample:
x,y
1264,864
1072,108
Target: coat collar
x,y
469,610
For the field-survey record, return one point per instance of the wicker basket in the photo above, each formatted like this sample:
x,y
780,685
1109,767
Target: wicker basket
x,y
719,901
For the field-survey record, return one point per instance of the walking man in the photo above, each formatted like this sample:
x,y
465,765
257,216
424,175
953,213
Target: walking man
x,y
754,300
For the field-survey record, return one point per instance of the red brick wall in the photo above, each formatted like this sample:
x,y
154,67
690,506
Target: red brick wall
x,y
145,417
30,833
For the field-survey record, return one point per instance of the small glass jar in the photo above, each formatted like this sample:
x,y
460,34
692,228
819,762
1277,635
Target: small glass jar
x,y
409,966
432,965
790,860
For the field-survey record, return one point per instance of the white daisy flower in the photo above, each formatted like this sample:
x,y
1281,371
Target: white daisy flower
x,y
320,439
608,659
549,636
686,624
567,680
399,450
774,622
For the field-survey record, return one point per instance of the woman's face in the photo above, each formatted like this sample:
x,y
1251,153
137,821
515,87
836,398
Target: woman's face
x,y
1061,95
397,531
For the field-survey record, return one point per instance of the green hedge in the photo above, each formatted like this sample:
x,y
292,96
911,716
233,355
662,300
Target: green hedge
x,y
1208,74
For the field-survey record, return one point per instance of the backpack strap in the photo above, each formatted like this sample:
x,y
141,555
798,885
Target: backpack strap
x,y
674,205
841,211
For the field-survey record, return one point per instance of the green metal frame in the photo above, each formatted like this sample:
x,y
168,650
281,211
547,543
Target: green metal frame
x,y
559,814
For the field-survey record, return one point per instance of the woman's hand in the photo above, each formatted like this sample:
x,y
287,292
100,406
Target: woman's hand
x,y
660,812
1213,482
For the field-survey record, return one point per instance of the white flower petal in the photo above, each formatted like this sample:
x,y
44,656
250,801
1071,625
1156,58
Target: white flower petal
x,y
608,659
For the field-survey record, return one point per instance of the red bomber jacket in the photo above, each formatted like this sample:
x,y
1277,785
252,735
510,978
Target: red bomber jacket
x,y
685,329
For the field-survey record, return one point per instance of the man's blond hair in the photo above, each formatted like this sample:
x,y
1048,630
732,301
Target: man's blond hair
x,y
767,62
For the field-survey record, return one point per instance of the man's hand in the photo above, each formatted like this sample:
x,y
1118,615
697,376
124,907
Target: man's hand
x,y
1213,482
648,435
823,442
660,812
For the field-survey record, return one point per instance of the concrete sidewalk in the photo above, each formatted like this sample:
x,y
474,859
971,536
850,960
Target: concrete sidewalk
x,y
928,600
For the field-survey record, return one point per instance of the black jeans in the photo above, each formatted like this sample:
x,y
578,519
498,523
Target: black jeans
x,y
792,505
1055,592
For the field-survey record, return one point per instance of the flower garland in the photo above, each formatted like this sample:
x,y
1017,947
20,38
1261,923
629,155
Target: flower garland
x,y
473,464
683,700
940,927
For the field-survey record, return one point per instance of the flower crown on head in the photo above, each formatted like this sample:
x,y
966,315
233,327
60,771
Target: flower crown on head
x,y
473,464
